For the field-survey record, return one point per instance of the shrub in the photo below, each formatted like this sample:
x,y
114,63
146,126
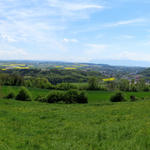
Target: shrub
x,y
40,99
118,97
10,95
133,98
82,98
24,95
71,96
55,97
74,96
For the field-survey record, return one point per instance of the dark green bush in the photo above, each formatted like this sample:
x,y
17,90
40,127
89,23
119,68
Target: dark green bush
x,y
71,96
133,98
118,97
82,98
11,95
74,96
55,97
24,95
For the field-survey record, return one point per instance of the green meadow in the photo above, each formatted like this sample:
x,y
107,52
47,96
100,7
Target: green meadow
x,y
40,126
98,125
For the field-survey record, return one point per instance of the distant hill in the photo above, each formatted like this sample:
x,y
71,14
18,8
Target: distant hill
x,y
131,63
146,72
105,69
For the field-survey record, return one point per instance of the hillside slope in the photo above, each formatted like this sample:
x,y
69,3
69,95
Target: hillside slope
x,y
38,126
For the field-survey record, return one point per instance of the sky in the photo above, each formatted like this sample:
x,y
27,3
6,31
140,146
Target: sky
x,y
75,30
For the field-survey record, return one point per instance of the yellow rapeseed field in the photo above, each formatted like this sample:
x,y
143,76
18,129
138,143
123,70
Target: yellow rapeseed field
x,y
108,79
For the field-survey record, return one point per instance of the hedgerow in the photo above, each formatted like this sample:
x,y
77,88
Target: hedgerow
x,y
69,97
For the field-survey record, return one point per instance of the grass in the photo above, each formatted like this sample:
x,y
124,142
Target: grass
x,y
40,126
34,91
99,125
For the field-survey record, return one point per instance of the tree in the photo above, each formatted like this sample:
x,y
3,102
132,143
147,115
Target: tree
x,y
141,85
93,84
133,86
124,85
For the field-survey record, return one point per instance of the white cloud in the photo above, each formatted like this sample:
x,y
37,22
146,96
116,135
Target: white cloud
x,y
41,26
37,27
7,37
73,6
95,51
128,36
13,53
97,46
129,55
125,22
70,40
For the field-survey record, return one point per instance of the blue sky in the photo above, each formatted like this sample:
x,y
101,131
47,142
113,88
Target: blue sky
x,y
75,30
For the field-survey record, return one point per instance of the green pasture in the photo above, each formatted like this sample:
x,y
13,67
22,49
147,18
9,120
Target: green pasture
x,y
99,125
41,126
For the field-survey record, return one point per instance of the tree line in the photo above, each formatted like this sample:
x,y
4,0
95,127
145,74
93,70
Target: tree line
x,y
94,83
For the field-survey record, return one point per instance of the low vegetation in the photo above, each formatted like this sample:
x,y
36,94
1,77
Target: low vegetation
x,y
118,97
69,97
24,95
11,95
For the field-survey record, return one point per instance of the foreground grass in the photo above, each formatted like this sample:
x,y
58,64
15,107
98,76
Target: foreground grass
x,y
40,126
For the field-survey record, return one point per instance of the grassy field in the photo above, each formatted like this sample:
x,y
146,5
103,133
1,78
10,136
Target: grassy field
x,y
40,126
99,125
